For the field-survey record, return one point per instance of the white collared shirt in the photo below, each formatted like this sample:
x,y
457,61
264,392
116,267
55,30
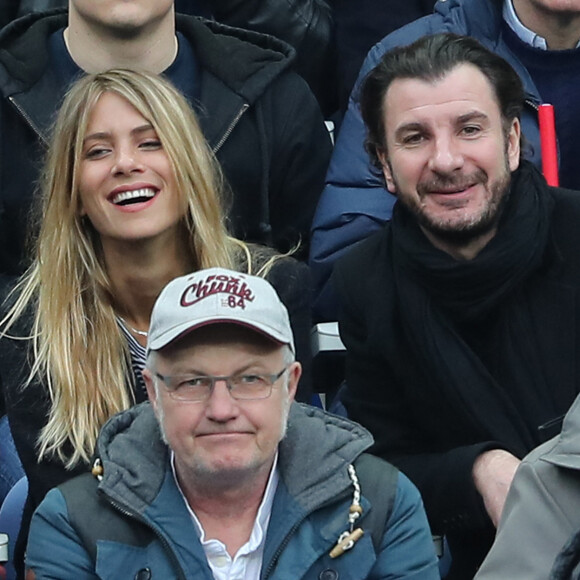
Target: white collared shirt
x,y
247,562
525,34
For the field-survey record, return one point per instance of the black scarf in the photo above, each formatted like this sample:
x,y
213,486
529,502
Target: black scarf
x,y
439,296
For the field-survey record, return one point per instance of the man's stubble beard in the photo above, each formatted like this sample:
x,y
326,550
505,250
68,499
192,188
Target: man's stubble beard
x,y
286,404
475,227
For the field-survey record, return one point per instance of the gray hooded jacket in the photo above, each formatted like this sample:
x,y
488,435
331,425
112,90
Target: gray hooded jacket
x,y
542,509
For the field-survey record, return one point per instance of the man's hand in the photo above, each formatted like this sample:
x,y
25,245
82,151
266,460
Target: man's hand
x,y
493,472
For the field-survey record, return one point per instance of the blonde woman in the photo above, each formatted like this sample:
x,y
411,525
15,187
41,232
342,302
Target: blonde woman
x,y
131,199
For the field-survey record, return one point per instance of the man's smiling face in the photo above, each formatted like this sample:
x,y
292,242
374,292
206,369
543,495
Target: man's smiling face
x,y
448,154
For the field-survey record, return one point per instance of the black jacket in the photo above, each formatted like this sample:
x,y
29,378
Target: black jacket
x,y
306,25
433,439
260,119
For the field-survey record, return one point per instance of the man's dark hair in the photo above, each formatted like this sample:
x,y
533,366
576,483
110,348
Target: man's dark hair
x,y
431,58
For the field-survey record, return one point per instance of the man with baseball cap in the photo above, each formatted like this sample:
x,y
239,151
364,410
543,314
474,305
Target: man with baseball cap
x,y
222,475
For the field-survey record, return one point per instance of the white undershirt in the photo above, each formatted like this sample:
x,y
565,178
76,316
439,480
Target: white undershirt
x,y
247,562
525,34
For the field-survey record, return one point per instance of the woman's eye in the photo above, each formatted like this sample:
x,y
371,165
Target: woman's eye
x,y
151,144
96,152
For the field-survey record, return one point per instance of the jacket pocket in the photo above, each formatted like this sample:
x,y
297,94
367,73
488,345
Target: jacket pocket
x,y
117,561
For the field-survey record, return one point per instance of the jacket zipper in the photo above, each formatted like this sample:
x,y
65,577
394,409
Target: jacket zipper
x,y
296,525
164,542
534,106
28,120
551,423
282,546
232,126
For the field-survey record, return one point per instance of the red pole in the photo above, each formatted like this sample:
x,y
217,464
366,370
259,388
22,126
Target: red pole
x,y
548,143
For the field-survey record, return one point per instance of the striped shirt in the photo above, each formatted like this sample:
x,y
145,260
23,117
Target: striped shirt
x,y
137,353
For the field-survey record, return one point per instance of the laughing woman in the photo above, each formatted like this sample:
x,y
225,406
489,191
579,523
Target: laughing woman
x,y
131,199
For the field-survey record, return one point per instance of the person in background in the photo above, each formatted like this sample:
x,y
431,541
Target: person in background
x,y
460,316
539,38
131,199
360,25
260,118
307,25
239,480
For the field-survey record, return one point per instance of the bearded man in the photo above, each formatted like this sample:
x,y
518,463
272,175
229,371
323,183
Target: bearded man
x,y
460,317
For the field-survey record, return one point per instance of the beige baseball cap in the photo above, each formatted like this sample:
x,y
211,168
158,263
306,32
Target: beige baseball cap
x,y
215,296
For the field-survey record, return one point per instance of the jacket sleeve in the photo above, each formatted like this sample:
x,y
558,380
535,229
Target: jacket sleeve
x,y
407,549
54,550
354,202
307,25
541,512
300,150
6,283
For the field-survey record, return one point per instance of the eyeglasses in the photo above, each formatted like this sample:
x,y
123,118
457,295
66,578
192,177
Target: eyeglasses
x,y
198,388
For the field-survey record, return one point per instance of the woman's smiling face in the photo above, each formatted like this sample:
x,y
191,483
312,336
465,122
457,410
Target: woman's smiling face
x,y
127,185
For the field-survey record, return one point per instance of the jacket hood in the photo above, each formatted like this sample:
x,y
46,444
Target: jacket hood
x,y
247,62
23,52
316,448
566,449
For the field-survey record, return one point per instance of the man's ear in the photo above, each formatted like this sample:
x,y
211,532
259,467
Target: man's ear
x,y
387,172
294,374
150,385
513,145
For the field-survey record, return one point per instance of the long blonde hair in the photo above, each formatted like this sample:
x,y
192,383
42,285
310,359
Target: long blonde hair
x,y
77,345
